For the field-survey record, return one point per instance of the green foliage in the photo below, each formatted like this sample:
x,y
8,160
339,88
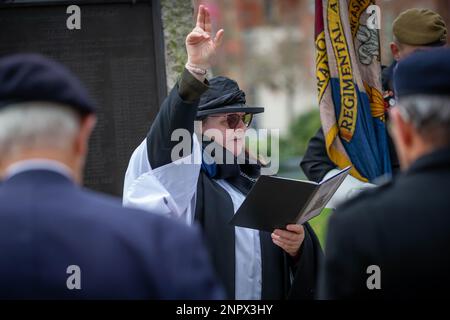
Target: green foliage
x,y
320,225
177,22
300,131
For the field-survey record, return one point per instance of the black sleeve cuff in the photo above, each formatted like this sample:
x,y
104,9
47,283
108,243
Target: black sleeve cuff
x,y
189,88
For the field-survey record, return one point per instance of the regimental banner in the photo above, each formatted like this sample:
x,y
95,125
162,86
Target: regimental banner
x,y
348,75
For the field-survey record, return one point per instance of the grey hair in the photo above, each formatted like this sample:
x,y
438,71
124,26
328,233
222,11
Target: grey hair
x,y
36,125
430,115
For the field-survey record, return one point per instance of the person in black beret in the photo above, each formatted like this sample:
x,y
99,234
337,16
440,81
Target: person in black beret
x,y
392,242
251,264
58,240
414,29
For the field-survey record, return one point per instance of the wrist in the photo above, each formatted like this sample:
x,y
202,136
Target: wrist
x,y
196,69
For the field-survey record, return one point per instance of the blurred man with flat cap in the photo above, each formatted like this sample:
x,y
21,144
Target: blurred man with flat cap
x,y
402,228
417,29
58,240
414,29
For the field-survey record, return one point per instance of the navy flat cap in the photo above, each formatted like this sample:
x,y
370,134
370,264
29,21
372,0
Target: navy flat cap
x,y
32,77
424,72
224,96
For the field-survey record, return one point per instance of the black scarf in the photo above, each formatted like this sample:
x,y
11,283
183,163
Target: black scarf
x,y
241,173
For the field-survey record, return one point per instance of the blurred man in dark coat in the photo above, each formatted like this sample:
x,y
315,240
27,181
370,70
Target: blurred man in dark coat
x,y
392,242
58,240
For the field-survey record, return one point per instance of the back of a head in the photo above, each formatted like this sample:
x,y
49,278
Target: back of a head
x,y
422,86
30,127
42,107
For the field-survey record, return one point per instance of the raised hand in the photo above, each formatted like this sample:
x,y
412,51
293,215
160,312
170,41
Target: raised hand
x,y
201,47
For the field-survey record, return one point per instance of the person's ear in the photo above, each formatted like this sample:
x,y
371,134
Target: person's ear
x,y
402,130
395,51
87,125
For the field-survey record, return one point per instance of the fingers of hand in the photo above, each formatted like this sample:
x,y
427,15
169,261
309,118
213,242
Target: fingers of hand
x,y
207,20
289,248
218,38
297,228
287,236
201,17
286,243
203,27
280,244
289,241
201,31
195,37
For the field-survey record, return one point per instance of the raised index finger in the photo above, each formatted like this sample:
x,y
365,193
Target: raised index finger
x,y
201,17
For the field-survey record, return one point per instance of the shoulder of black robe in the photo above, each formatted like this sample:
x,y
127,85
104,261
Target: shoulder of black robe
x,y
316,163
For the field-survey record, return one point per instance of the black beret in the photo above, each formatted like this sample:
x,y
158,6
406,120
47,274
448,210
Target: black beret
x,y
224,96
32,77
423,72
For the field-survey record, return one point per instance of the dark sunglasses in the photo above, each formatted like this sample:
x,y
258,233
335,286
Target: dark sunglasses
x,y
233,119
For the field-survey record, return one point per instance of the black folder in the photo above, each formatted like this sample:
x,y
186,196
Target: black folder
x,y
275,202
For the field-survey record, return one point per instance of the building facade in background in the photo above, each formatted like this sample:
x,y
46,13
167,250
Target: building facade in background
x,y
269,49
